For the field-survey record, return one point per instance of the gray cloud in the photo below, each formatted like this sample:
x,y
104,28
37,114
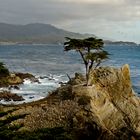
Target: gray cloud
x,y
102,17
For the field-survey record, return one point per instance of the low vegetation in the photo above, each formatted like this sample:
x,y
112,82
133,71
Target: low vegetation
x,y
3,70
84,100
10,130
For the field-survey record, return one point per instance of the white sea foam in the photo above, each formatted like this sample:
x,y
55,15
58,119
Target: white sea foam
x,y
27,81
32,91
4,89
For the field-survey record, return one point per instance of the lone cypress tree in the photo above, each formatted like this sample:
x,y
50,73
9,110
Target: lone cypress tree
x,y
90,49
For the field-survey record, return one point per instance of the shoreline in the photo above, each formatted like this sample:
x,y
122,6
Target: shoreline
x,y
33,96
34,44
31,88
60,44
75,111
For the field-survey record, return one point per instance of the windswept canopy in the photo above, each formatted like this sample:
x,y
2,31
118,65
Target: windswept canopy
x,y
83,44
90,49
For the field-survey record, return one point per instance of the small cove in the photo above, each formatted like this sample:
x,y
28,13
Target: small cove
x,y
50,64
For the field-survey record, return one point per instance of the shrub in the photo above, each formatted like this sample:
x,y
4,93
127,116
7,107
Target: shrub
x,y
66,93
3,70
84,100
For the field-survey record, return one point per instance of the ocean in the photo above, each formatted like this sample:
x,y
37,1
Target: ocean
x,y
51,64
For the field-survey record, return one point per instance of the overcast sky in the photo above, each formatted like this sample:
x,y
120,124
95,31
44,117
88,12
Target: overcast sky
x,y
112,19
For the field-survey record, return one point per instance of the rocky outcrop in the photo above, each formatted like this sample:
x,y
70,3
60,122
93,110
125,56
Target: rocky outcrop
x,y
107,109
29,76
7,96
16,78
113,105
12,79
109,106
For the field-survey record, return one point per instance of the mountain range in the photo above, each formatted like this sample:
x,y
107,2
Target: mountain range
x,y
35,33
39,33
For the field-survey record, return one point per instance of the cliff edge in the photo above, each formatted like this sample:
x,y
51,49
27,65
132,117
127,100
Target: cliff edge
x,y
107,109
113,105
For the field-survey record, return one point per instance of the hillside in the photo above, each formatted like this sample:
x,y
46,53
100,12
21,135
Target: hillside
x,y
35,33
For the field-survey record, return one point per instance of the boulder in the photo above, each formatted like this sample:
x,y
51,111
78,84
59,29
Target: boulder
x,y
78,79
106,109
113,104
14,80
14,87
27,76
8,96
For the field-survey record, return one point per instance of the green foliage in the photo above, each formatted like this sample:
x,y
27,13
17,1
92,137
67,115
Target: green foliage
x,y
90,49
97,56
10,132
3,113
3,81
57,133
3,70
66,93
7,131
9,119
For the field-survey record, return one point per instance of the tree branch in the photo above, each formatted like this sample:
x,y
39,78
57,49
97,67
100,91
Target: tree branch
x,y
85,62
91,65
98,64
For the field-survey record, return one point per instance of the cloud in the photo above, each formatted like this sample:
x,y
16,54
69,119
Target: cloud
x,y
56,10
90,1
103,17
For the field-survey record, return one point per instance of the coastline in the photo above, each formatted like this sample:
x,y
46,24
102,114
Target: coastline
x,y
77,111
106,43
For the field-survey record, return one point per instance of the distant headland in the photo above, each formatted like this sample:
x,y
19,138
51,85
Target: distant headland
x,y
38,33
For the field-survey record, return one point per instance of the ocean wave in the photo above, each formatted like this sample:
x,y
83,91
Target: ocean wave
x,y
33,91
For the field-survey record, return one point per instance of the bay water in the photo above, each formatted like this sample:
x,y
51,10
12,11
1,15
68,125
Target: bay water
x,y
51,64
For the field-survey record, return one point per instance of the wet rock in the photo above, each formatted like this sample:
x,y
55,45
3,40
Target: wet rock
x,y
27,76
24,75
16,79
47,77
34,80
8,96
31,97
14,87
